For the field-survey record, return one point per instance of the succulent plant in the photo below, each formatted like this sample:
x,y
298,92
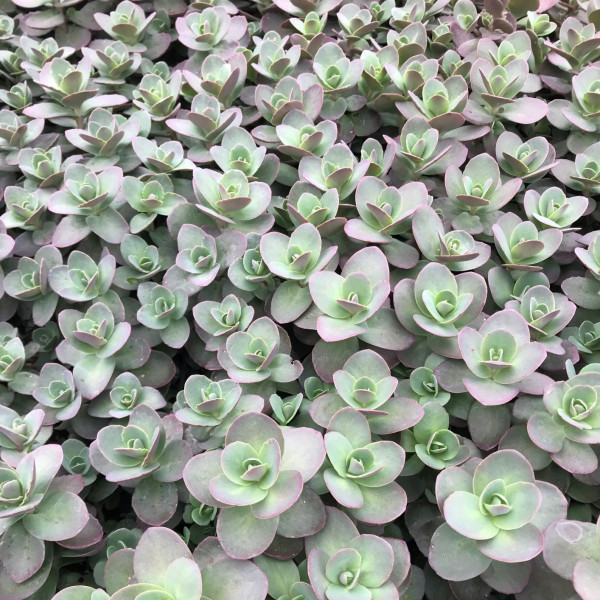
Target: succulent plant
x,y
148,451
487,510
274,275
257,485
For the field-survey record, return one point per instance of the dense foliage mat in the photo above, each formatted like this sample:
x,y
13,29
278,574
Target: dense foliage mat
x,y
299,299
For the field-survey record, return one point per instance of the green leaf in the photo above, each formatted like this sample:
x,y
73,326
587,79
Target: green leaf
x,y
508,465
281,574
183,580
455,557
514,546
154,502
59,516
524,499
461,511
92,375
242,535
21,553
157,549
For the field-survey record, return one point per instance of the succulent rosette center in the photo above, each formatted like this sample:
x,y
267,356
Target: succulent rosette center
x,y
11,488
578,404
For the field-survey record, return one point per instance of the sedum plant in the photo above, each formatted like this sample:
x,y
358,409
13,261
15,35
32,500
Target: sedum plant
x,y
495,513
257,486
298,299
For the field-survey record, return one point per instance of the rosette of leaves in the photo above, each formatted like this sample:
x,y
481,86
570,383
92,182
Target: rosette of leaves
x,y
521,245
494,91
583,174
147,453
357,23
500,357
57,393
126,392
456,249
16,132
273,61
142,261
420,151
582,113
570,423
232,201
412,73
547,314
441,103
12,358
90,202
409,42
529,160
149,198
91,340
295,259
250,273
577,46
164,311
42,168
307,204
114,62
211,30
210,406
219,77
380,160
361,476
261,353
586,338
336,73
347,302
476,194
164,158
438,304
366,384
24,209
38,52
433,443
202,257
590,256
157,96
385,212
69,89
299,136
539,24
237,151
504,288
552,209
19,435
216,321
18,96
258,483
285,410
423,386
36,508
571,551
76,461
337,169
379,79
345,564
205,125
127,24
29,283
495,513
108,138
163,566
288,94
